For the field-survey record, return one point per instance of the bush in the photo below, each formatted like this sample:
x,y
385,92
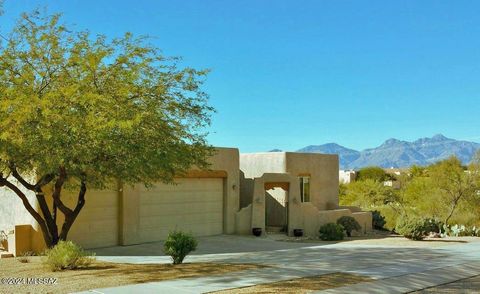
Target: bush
x,y
178,245
349,224
412,228
66,255
378,220
433,225
331,232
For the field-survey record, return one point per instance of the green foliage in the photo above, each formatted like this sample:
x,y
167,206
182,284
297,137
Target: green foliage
x,y
66,255
368,193
445,191
100,108
378,220
331,232
412,227
349,224
178,245
372,173
82,109
433,225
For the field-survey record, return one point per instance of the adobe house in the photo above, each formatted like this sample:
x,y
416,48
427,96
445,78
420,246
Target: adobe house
x,y
238,193
283,191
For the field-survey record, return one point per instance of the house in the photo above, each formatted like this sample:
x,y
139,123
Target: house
x,y
238,192
347,176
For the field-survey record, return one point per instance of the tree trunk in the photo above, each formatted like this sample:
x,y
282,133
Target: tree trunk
x,y
48,223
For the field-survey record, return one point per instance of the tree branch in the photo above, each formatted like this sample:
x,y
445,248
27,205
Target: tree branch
x,y
19,178
28,206
58,190
70,219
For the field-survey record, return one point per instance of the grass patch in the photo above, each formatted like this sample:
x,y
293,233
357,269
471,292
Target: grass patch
x,y
105,274
303,285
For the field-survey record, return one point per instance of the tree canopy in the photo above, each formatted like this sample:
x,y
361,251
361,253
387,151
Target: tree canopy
x,y
446,191
87,110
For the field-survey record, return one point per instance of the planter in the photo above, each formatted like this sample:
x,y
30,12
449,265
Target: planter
x,y
257,232
298,232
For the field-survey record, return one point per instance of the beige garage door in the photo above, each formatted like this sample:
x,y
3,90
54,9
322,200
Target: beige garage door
x,y
195,205
97,224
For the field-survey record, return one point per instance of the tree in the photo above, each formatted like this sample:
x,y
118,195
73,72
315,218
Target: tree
x,y
373,173
80,112
454,183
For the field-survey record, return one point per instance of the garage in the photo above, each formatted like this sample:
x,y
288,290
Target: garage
x,y
193,205
99,218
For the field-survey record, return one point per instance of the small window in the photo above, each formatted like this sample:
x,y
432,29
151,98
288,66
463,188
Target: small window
x,y
305,189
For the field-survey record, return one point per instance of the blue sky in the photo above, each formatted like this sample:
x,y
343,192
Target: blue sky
x,y
286,74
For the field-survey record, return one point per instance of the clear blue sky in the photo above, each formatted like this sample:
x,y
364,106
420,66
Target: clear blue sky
x,y
292,73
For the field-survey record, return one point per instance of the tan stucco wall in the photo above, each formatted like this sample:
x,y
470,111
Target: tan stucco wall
x,y
323,207
323,172
12,211
322,169
225,159
254,165
112,216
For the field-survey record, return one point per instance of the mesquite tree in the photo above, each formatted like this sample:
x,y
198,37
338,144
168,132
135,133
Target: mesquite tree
x,y
79,111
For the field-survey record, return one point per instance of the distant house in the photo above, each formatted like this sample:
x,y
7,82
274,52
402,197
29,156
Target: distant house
x,y
347,176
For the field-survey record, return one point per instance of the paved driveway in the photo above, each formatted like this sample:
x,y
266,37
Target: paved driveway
x,y
396,269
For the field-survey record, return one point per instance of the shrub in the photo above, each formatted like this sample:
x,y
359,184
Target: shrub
x,y
67,255
378,220
433,225
178,245
331,232
412,228
349,224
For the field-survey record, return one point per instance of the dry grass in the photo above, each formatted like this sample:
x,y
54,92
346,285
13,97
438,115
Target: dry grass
x,y
104,274
303,285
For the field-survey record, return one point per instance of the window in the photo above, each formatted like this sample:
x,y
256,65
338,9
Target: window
x,y
305,189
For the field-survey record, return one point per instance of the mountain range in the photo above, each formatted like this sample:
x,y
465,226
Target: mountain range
x,y
397,153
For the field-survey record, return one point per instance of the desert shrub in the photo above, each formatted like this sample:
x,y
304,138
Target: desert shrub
x,y
25,257
331,232
178,245
378,220
412,227
433,225
67,255
349,224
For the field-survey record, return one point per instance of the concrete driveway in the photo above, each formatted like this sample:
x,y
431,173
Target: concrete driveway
x,y
395,269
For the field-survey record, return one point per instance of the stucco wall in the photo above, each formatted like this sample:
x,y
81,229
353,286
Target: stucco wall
x,y
323,172
254,165
12,211
223,164
116,211
322,168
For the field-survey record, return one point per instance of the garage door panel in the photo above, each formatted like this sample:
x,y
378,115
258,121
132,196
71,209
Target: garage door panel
x,y
97,223
174,209
173,221
161,197
194,205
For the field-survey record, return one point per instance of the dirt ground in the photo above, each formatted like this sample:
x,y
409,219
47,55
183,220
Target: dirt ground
x,y
100,275
303,285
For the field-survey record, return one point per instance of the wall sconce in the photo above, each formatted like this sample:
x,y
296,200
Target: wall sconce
x,y
257,200
234,186
295,200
